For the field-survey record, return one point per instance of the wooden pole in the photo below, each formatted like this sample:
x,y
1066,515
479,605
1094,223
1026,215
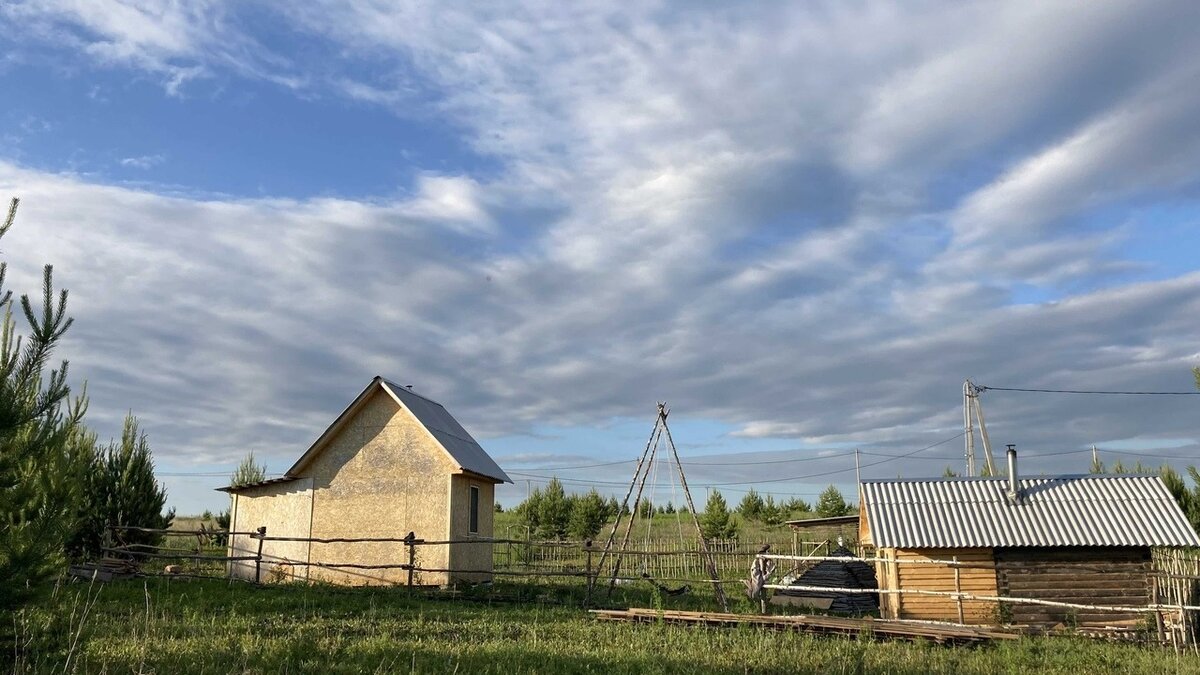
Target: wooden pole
x,y
1158,618
591,578
410,542
958,590
262,533
612,534
712,563
633,515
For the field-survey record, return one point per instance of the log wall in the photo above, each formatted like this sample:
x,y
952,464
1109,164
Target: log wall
x,y
1090,576
977,576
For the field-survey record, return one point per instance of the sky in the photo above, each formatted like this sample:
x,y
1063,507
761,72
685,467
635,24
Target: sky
x,y
802,225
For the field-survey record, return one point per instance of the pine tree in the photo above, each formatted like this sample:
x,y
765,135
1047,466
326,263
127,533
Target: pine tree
x,y
122,491
588,516
611,508
554,511
42,463
529,511
716,522
771,513
797,505
831,503
248,472
751,506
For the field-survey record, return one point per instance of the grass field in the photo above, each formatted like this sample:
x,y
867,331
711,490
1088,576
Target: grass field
x,y
163,625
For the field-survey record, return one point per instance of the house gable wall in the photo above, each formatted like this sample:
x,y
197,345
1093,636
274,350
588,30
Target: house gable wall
x,y
381,475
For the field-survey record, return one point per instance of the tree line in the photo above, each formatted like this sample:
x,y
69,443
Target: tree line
x,y
551,513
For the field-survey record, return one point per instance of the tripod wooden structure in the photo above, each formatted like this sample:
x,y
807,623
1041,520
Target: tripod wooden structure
x,y
661,434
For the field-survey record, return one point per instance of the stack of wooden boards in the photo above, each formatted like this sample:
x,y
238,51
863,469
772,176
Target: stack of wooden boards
x,y
105,569
821,625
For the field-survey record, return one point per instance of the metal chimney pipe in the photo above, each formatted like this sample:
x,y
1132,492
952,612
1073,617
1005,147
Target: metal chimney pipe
x,y
1014,491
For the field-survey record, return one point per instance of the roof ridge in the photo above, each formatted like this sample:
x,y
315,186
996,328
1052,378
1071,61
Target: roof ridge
x,y
408,389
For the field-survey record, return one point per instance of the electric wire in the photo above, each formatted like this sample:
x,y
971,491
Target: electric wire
x,y
1087,391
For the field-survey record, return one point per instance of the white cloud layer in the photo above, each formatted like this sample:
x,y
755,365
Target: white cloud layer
x,y
807,220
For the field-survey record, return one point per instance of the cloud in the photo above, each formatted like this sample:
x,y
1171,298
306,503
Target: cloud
x,y
143,162
805,221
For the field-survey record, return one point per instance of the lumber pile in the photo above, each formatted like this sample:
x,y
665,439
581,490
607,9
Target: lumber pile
x,y
820,625
105,569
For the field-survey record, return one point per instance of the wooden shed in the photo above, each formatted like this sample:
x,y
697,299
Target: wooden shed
x,y
1083,539
391,463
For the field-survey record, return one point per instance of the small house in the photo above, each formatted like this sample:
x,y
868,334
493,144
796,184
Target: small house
x,y
1080,539
391,463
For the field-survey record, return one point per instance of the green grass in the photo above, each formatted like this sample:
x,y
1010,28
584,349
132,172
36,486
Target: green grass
x,y
210,626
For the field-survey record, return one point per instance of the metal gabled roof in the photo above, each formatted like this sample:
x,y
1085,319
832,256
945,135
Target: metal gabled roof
x,y
453,437
440,424
1087,510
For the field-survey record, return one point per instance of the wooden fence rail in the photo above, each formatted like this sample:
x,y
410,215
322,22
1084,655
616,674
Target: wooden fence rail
x,y
1175,573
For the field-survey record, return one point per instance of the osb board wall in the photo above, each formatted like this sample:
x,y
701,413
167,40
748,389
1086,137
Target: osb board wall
x,y
978,577
286,510
471,557
1086,576
381,475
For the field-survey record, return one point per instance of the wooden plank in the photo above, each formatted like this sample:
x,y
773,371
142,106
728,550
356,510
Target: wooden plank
x,y
820,625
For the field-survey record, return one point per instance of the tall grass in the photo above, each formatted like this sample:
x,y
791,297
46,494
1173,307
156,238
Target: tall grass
x,y
209,626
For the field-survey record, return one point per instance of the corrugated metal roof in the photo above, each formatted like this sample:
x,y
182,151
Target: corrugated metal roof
x,y
461,446
1088,510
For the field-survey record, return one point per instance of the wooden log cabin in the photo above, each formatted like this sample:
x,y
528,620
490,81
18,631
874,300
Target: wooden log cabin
x,y
1082,539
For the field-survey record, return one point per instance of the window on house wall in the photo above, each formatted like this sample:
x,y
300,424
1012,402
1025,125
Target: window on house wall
x,y
473,527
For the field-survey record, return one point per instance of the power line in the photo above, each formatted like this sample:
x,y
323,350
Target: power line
x,y
579,466
1086,391
864,466
756,482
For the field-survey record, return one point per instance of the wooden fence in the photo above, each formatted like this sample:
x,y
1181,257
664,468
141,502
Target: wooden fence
x,y
664,559
200,553
1174,603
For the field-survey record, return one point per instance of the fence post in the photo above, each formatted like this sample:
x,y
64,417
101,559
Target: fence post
x,y
410,541
262,533
587,546
1158,617
958,589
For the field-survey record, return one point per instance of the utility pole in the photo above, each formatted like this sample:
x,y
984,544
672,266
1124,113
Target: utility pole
x,y
972,412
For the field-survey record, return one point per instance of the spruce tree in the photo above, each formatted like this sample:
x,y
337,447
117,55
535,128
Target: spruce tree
x,y
41,431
